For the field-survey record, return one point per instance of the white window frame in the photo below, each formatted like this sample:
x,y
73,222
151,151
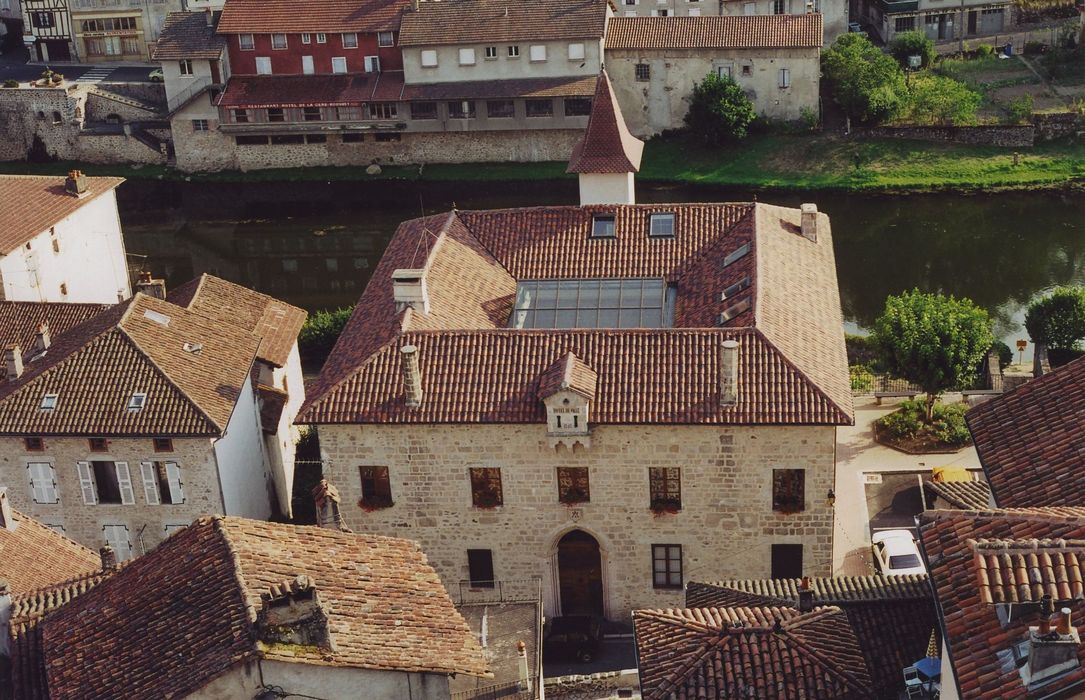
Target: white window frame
x,y
467,57
784,78
321,38
490,53
694,11
137,401
307,65
200,125
185,68
43,483
306,38
353,43
263,65
576,52
386,40
659,217
372,64
343,63
49,402
428,58
275,46
513,51
116,536
251,42
537,53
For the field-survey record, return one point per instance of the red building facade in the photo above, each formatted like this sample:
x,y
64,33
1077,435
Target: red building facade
x,y
318,53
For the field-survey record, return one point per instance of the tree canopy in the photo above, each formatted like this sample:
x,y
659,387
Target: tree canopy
x,y
938,100
865,82
719,110
908,44
1058,319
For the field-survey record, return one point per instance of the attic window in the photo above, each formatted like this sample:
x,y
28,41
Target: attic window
x,y
602,226
136,402
593,303
734,310
49,402
737,254
735,288
661,225
160,319
192,348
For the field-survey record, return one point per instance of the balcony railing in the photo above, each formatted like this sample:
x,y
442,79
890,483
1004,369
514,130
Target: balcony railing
x,y
527,590
185,96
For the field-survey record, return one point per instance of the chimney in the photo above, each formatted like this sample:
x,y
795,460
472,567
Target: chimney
x,y
7,519
729,373
109,558
76,183
524,684
44,339
151,287
328,515
412,377
13,362
209,17
810,221
414,5
806,596
1053,653
409,290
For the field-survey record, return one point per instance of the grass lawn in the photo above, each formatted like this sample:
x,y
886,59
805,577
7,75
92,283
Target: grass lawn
x,y
762,161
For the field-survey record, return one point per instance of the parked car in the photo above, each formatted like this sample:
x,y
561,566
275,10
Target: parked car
x,y
156,76
573,637
896,553
855,27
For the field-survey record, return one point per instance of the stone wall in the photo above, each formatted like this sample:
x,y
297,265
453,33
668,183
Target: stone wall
x,y
1007,136
1055,126
100,106
151,93
114,148
83,523
726,525
592,686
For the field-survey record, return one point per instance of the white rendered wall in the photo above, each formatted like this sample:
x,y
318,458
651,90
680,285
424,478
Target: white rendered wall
x,y
282,445
449,69
612,188
91,260
242,463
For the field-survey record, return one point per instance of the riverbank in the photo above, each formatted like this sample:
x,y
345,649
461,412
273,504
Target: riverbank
x,y
781,162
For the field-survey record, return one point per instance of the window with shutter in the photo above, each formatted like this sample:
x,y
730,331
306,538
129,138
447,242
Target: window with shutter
x,y
86,483
124,483
117,538
43,485
150,482
173,481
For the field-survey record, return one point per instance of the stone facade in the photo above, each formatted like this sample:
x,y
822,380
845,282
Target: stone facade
x,y
1009,136
726,525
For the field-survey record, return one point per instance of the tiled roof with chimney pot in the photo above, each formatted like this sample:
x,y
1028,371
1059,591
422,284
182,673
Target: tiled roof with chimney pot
x,y
768,653
966,495
606,146
715,32
377,603
980,561
34,203
33,555
1031,440
892,616
188,35
20,321
190,361
438,22
331,16
784,304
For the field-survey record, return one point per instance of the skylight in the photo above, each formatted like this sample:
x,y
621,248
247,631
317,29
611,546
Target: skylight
x,y
161,319
734,309
593,303
48,402
135,403
736,288
661,225
737,254
602,226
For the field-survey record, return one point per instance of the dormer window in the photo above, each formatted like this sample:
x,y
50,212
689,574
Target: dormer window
x,y
568,415
737,254
602,226
49,402
661,225
736,288
136,401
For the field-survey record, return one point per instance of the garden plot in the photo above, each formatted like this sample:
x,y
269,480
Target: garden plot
x,y
1006,84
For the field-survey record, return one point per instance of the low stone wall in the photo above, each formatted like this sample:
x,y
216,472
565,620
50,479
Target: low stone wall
x,y
593,686
151,93
55,115
100,107
1008,136
1055,126
114,148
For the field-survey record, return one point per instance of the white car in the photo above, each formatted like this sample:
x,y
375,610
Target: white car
x,y
896,553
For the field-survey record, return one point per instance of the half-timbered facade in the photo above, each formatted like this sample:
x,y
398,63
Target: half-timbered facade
x,y
47,30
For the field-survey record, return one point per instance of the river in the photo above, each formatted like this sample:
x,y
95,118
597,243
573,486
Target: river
x,y
314,244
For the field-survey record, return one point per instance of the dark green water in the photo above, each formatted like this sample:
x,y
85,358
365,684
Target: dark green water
x,y
314,244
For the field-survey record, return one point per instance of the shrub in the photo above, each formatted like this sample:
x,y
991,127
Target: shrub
x,y
912,44
11,83
1005,354
863,350
865,82
319,334
936,99
719,110
1058,319
862,379
1033,48
1021,109
984,51
905,422
946,425
809,118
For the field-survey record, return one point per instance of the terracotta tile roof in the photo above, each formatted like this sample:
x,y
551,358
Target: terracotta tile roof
x,y
20,321
569,373
1030,440
276,323
253,91
762,652
715,32
606,146
475,369
479,21
33,203
187,35
498,89
385,608
958,547
966,495
35,556
332,16
892,617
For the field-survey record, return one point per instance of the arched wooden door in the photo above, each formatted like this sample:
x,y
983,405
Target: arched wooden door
x,y
580,574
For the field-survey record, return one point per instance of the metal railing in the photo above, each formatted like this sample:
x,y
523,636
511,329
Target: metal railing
x,y
185,96
527,590
503,691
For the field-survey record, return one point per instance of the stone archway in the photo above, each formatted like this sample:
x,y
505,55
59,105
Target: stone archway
x,y
580,574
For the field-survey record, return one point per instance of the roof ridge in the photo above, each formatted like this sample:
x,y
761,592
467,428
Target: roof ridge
x,y
805,378
814,652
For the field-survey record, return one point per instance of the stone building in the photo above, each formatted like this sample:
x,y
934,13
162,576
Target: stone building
x,y
49,228
105,31
613,397
47,30
655,62
834,12
969,18
128,425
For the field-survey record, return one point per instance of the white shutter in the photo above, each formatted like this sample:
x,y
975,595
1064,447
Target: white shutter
x,y
43,485
150,482
124,482
173,476
373,63
117,537
86,483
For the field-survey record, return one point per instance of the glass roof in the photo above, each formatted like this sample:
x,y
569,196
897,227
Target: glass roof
x,y
594,303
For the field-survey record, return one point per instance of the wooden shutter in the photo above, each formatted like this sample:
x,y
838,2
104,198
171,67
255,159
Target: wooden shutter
x,y
124,483
86,483
43,485
150,482
173,476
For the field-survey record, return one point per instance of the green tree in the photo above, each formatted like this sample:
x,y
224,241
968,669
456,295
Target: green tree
x,y
936,99
866,83
1058,319
719,110
319,334
912,44
932,340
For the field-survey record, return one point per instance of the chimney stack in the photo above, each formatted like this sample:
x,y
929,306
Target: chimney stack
x,y
806,596
414,5
7,519
328,515
1051,652
44,338
524,684
729,373
810,221
13,362
409,290
412,376
1064,622
76,183
109,558
210,17
151,287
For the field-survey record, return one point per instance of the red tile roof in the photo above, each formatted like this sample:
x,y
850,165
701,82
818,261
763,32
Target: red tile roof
x,y
1030,440
498,89
33,203
606,146
958,547
192,608
439,22
187,35
20,321
254,91
715,32
330,16
761,652
569,373
475,369
35,556
966,495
